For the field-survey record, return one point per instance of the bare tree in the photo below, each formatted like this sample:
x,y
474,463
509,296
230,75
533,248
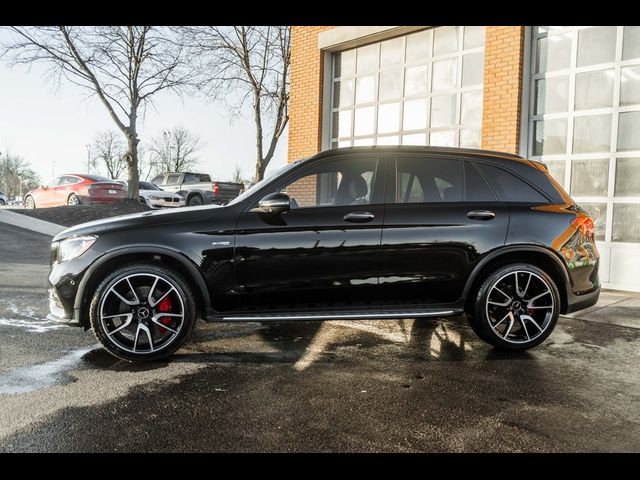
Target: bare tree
x,y
124,66
16,175
175,150
254,62
110,153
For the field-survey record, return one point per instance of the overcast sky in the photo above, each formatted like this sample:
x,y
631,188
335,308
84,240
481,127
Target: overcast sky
x,y
46,126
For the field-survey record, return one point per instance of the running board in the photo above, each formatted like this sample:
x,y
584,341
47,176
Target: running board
x,y
335,316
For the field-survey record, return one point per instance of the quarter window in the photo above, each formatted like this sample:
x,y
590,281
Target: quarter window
x,y
510,188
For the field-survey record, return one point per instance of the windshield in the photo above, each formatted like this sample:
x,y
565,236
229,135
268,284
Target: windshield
x,y
263,182
148,186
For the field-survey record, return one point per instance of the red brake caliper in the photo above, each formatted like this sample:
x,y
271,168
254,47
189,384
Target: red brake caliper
x,y
165,306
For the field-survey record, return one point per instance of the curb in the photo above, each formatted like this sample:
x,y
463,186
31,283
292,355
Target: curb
x,y
29,223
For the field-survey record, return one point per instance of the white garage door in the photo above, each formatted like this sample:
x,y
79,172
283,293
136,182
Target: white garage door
x,y
584,123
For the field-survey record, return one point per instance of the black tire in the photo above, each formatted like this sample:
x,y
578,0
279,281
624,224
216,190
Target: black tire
x,y
2,204
182,288
73,200
195,200
481,323
29,202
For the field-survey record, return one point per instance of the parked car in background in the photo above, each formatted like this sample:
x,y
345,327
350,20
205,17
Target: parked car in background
x,y
75,189
351,233
198,188
3,199
154,197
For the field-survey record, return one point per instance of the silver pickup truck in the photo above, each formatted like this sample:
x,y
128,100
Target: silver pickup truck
x,y
198,188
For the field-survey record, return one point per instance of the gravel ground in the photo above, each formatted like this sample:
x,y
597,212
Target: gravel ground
x,y
74,215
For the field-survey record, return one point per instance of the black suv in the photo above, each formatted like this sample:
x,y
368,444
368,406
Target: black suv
x,y
355,233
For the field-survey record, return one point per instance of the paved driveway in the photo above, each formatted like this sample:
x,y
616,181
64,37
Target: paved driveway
x,y
389,386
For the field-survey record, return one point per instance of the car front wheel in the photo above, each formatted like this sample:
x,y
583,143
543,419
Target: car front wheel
x,y
29,203
516,308
143,312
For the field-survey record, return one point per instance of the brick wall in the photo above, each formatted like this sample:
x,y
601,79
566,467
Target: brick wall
x,y
503,55
305,103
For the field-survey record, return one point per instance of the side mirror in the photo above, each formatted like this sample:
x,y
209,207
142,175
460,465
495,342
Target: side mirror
x,y
43,187
274,203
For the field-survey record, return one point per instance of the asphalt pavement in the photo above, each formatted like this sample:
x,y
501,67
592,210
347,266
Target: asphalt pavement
x,y
369,386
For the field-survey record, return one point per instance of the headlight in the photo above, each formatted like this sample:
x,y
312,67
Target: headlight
x,y
155,197
74,247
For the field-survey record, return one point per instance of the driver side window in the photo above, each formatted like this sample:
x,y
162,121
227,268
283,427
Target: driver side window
x,y
342,182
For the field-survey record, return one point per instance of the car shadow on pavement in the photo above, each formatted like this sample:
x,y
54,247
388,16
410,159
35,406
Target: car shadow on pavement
x,y
305,342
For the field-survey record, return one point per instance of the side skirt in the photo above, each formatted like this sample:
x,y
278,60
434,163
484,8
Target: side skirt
x,y
351,315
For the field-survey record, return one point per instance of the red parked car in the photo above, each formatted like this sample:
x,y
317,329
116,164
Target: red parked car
x,y
74,189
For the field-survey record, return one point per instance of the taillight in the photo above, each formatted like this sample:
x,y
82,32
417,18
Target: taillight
x,y
584,225
216,188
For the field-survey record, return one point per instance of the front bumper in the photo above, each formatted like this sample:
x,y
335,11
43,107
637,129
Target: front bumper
x,y
156,204
58,312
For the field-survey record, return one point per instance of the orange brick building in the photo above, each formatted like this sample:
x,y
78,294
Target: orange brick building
x,y
567,96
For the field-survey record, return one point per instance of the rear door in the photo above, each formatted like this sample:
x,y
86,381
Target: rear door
x,y
441,217
64,188
173,182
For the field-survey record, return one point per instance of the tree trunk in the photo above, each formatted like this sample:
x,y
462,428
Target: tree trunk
x,y
132,166
258,121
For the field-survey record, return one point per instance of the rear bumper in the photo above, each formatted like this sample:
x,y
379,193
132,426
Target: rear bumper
x,y
580,302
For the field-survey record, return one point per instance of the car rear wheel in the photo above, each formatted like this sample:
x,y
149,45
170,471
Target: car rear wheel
x,y
29,203
516,308
143,312
73,200
196,200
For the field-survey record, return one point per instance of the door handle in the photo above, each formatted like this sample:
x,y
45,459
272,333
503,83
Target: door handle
x,y
481,215
359,217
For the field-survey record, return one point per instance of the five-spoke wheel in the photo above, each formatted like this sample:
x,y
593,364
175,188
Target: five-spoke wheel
x,y
517,307
143,312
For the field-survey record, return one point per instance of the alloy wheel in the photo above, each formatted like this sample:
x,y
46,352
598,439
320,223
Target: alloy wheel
x,y
520,306
73,200
142,313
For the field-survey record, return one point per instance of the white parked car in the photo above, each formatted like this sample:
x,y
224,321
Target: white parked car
x,y
155,197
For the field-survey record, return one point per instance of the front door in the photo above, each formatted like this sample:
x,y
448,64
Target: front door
x,y
441,217
323,252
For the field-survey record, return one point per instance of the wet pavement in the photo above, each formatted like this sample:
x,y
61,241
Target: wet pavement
x,y
366,386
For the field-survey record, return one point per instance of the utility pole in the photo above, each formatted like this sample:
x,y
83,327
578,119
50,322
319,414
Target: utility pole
x,y
88,157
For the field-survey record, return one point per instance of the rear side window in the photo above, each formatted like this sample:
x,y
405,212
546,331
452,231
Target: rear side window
x,y
477,188
196,178
510,188
422,180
